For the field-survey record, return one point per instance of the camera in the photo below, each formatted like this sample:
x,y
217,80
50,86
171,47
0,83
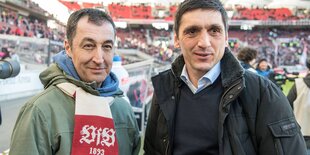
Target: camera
x,y
9,68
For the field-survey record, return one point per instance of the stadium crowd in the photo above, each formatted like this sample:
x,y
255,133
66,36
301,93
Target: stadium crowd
x,y
275,45
12,23
279,46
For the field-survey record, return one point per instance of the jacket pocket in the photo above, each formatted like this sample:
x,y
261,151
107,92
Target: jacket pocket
x,y
282,131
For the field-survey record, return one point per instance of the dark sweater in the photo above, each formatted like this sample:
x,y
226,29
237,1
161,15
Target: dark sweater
x,y
196,126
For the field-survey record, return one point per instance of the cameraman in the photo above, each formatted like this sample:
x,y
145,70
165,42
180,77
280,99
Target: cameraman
x,y
8,68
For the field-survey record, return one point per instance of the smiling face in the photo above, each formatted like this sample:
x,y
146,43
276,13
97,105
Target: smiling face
x,y
263,65
92,50
202,39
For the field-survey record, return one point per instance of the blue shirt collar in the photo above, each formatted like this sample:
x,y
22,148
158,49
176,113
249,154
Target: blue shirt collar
x,y
205,80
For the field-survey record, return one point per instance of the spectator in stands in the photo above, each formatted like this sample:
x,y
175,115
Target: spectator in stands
x,y
134,94
264,69
14,55
207,104
299,98
247,58
5,53
16,24
77,112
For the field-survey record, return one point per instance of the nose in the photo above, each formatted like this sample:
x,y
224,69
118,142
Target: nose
x,y
98,56
204,40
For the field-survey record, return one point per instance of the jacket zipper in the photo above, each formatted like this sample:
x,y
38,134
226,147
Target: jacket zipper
x,y
228,90
220,136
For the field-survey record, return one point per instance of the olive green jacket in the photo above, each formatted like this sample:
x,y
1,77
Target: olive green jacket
x,y
45,123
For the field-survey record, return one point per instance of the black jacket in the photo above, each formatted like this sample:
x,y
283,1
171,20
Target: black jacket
x,y
254,115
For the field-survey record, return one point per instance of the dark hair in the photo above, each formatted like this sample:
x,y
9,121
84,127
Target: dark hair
x,y
5,50
6,53
189,5
261,60
247,54
308,62
95,16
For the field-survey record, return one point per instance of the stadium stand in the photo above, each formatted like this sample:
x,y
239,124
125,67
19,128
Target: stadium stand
x,y
13,23
154,42
281,35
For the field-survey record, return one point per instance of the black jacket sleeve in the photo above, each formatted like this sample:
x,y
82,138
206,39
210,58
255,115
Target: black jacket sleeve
x,y
277,129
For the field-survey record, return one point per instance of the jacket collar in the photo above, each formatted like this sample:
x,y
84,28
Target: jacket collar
x,y
231,69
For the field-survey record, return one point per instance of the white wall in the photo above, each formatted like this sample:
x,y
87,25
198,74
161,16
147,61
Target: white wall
x,y
27,83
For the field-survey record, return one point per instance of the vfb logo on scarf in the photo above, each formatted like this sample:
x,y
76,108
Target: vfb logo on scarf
x,y
94,135
94,132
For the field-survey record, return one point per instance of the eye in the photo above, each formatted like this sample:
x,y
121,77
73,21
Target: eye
x,y
88,46
107,47
191,32
215,31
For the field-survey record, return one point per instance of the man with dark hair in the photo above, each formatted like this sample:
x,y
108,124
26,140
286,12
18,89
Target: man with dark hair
x,y
247,58
81,110
208,104
264,69
299,98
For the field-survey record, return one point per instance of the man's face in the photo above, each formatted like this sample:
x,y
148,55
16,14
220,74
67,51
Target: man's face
x,y
202,40
263,65
92,50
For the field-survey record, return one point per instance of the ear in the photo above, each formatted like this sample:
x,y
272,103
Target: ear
x,y
176,41
68,48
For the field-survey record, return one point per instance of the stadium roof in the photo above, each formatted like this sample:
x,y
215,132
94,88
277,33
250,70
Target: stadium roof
x,y
61,13
129,1
270,3
247,3
290,4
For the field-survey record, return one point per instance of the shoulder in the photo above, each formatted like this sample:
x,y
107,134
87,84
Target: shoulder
x,y
164,83
49,99
44,107
252,70
264,90
252,79
120,103
122,111
165,75
164,79
261,87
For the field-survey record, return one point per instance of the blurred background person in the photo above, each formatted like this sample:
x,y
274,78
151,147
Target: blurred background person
x,y
14,55
5,53
247,57
299,98
264,69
